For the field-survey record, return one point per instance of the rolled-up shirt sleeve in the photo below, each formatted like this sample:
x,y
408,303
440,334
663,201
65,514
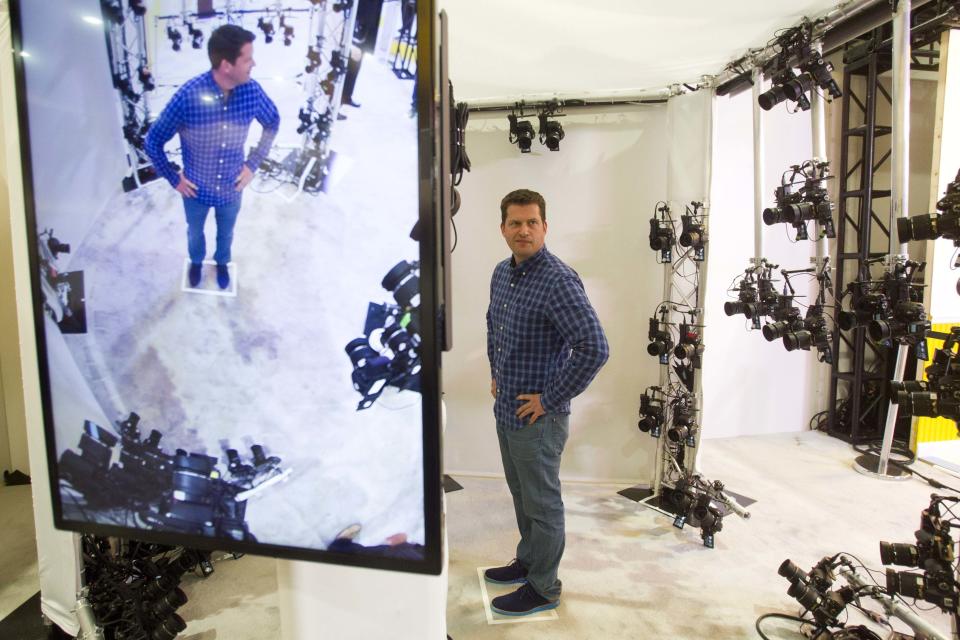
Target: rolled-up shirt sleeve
x,y
571,313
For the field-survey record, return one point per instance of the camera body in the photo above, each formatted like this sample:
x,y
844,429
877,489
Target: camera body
x,y
891,307
939,395
934,553
802,197
691,345
814,332
662,236
651,412
661,341
943,224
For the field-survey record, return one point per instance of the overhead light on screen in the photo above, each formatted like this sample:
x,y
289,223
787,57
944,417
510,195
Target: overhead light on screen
x,y
94,21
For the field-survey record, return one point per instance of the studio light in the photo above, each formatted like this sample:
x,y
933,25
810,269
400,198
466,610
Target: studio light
x,y
313,60
196,36
266,26
287,31
146,78
175,37
551,132
521,133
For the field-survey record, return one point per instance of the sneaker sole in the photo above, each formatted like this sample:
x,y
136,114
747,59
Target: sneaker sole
x,y
492,581
543,607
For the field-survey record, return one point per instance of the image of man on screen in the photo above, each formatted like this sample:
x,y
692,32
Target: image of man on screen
x,y
545,346
212,114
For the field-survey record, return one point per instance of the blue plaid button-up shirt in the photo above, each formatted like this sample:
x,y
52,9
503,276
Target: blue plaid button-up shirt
x,y
543,336
212,133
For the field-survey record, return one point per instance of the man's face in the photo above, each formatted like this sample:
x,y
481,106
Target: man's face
x,y
523,230
239,71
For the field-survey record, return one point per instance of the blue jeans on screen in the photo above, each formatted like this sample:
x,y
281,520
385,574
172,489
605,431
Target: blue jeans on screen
x,y
531,463
226,216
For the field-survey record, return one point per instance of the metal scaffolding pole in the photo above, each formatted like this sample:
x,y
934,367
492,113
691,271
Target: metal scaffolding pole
x,y
758,168
871,465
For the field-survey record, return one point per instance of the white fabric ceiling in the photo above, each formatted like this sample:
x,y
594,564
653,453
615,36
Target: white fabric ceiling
x,y
508,49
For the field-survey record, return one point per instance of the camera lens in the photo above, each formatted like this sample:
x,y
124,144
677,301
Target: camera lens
x,y
797,340
732,308
169,628
879,330
771,98
800,212
910,585
798,86
678,433
774,330
685,351
924,404
774,215
806,596
659,347
691,238
789,570
905,555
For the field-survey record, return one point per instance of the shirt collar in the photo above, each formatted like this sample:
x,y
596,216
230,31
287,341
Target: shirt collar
x,y
530,262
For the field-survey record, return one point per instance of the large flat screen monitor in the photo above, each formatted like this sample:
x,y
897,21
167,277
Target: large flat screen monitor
x,y
238,338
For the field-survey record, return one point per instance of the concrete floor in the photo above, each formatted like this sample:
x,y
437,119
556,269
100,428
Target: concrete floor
x,y
627,572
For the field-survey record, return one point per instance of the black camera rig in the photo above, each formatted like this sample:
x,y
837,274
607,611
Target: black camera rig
x,y
939,395
757,298
696,501
795,48
943,224
183,492
890,307
663,235
687,349
388,354
693,230
802,197
131,588
63,291
934,553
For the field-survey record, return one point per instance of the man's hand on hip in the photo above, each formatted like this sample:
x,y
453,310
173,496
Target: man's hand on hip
x,y
186,188
244,178
493,388
531,407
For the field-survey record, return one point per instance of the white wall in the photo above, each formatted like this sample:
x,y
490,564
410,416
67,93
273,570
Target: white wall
x,y
600,189
76,140
752,386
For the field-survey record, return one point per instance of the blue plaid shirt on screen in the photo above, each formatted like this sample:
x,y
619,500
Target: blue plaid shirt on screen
x,y
543,336
212,133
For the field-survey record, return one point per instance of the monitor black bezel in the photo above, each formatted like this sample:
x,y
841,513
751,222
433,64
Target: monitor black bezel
x,y
430,153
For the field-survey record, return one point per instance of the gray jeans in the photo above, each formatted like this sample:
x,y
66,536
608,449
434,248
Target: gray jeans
x,y
531,462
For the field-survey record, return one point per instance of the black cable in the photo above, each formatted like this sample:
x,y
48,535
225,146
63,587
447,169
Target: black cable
x,y
779,616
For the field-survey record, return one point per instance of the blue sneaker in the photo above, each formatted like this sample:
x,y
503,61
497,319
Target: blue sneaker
x,y
513,573
223,276
522,602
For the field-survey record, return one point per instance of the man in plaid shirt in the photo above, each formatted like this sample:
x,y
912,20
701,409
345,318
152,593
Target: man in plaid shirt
x,y
545,346
212,113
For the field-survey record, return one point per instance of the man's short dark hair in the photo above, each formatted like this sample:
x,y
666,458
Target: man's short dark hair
x,y
225,43
523,196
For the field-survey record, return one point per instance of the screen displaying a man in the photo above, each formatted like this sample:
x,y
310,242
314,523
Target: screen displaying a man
x,y
212,114
545,346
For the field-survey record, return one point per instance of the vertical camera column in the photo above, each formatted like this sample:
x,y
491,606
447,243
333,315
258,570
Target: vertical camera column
x,y
133,80
332,25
